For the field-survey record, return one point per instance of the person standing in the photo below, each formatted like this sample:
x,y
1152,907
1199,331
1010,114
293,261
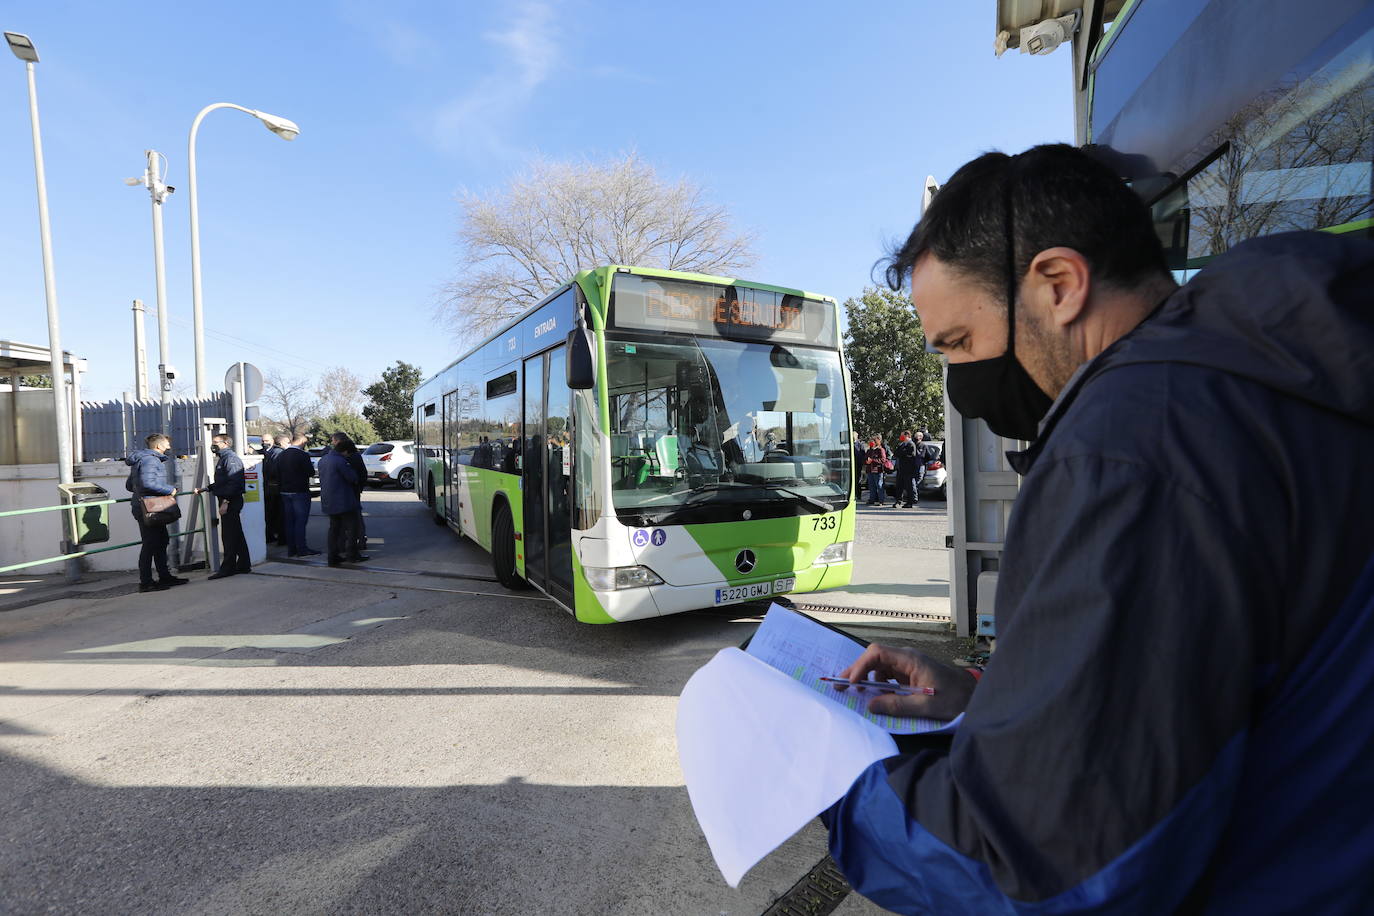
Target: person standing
x,y
228,489
148,477
294,471
875,463
909,466
349,450
860,457
339,501
271,486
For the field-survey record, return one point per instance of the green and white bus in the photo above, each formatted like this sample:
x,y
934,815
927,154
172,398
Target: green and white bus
x,y
644,442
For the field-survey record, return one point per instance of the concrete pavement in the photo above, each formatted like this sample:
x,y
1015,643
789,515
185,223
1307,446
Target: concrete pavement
x,y
322,740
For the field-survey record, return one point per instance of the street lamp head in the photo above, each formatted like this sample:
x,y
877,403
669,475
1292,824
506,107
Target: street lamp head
x,y
133,182
282,127
22,47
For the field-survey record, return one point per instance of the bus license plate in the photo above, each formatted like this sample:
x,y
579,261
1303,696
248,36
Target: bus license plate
x,y
754,590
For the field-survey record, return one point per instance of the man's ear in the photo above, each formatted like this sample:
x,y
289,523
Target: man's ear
x,y
1059,282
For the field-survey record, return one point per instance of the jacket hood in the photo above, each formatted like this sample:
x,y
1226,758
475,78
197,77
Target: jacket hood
x,y
139,454
1292,312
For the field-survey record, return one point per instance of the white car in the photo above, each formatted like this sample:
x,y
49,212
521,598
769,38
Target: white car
x,y
391,462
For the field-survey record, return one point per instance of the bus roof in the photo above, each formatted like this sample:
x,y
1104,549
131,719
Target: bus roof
x,y
598,277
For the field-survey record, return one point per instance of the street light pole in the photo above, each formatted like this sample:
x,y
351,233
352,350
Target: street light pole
x,y
24,50
283,128
158,191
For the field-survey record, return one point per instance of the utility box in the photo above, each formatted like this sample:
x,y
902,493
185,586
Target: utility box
x,y
86,524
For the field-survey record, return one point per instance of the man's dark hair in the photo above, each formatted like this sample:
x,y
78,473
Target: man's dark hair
x,y
152,440
342,443
1059,195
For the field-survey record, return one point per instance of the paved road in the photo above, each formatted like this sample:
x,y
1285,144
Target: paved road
x,y
316,740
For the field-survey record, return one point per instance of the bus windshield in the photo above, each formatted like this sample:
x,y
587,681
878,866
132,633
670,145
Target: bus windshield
x,y
706,429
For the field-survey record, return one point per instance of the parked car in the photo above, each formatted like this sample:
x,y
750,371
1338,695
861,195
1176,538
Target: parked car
x,y
391,462
936,475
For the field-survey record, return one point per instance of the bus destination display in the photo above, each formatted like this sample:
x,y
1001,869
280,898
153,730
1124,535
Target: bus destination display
x,y
681,306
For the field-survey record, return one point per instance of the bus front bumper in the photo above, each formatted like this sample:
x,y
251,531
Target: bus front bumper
x,y
661,600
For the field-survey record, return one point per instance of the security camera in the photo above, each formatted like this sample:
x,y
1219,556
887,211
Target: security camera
x,y
171,190
169,372
1044,37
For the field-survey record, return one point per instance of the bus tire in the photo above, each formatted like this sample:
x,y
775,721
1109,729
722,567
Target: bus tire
x,y
503,548
433,507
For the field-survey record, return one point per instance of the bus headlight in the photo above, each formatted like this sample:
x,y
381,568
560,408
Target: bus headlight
x,y
617,577
835,553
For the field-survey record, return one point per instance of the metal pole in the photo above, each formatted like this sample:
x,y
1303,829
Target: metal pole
x,y
240,435
126,431
59,385
140,353
78,426
158,193
196,310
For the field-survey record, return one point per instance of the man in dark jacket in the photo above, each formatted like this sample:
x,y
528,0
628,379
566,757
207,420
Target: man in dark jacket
x,y
908,466
339,501
148,477
1177,717
229,488
271,489
294,470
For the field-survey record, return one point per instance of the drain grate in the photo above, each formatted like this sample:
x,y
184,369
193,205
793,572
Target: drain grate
x,y
817,894
873,612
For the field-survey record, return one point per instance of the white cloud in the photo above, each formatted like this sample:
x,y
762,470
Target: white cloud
x,y
476,122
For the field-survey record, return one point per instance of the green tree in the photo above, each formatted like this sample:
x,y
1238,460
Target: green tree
x,y
388,401
351,424
897,384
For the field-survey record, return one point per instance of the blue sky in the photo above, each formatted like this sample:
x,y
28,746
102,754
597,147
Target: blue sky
x,y
814,122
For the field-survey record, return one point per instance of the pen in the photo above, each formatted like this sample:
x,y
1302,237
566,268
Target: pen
x,y
882,685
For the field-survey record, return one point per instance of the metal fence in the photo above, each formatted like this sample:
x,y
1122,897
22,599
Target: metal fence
x,y
114,428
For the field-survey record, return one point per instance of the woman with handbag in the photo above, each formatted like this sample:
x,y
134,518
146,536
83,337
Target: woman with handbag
x,y
876,463
148,482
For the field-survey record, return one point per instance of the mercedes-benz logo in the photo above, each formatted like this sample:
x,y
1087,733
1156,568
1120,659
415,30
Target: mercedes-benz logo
x,y
745,560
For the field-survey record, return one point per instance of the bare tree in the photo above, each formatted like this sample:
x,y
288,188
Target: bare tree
x,y
290,400
519,244
339,392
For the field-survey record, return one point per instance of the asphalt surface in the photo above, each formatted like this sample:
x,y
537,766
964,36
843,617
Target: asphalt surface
x,y
406,738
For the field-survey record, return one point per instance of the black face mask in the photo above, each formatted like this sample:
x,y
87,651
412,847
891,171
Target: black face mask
x,y
999,390
1001,393
215,449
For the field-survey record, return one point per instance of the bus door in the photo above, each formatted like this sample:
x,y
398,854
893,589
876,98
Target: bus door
x,y
547,473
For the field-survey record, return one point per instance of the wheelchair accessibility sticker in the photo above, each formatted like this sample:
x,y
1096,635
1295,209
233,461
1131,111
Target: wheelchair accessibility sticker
x,y
640,537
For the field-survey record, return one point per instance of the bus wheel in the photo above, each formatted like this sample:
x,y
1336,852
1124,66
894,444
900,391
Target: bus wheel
x,y
433,508
503,548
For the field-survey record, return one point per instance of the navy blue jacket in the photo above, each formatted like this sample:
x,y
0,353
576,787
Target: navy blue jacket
x,y
294,470
147,474
228,475
271,477
1178,714
338,485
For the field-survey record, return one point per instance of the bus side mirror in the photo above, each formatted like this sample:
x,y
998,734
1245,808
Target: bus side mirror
x,y
581,361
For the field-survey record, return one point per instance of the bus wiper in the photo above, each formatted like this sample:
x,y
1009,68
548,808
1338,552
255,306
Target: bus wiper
x,y
820,505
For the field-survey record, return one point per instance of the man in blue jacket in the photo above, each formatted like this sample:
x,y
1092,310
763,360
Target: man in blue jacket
x,y
229,488
148,477
1178,715
339,500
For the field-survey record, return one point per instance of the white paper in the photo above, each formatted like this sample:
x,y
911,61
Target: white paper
x,y
806,651
762,754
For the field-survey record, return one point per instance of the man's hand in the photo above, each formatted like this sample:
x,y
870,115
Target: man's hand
x,y
224,510
953,686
